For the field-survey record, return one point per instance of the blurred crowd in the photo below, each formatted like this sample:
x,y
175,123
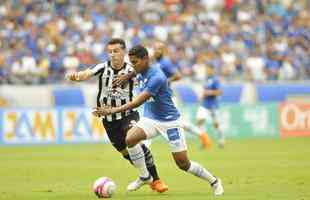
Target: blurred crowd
x,y
252,40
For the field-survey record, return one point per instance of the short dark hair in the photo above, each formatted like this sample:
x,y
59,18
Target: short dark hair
x,y
117,41
139,51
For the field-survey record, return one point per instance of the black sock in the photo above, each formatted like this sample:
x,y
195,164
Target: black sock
x,y
127,157
150,165
153,171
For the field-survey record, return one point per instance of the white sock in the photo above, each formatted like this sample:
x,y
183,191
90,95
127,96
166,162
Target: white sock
x,y
194,130
137,157
199,171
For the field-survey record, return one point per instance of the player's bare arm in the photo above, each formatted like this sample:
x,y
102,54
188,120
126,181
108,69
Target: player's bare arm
x,y
136,102
208,92
175,77
79,76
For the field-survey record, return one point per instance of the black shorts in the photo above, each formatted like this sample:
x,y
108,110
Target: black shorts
x,y
117,129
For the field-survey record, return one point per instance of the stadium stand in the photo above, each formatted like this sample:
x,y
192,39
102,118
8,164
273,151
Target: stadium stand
x,y
245,40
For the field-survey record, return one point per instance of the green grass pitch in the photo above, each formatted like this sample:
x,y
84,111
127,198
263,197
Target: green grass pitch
x,y
250,170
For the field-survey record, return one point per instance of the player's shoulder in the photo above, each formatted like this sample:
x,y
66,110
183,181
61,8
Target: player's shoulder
x,y
166,61
99,67
155,70
129,67
101,64
157,74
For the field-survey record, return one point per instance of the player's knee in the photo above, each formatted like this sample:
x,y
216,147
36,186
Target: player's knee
x,y
183,164
129,141
200,122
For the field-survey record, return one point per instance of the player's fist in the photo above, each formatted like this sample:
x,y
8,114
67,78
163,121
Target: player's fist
x,y
73,76
102,111
95,112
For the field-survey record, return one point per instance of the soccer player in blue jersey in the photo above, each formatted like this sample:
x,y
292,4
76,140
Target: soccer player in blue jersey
x,y
173,74
170,70
208,111
161,117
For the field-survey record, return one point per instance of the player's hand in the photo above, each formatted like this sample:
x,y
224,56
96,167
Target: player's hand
x,y
120,80
102,111
73,76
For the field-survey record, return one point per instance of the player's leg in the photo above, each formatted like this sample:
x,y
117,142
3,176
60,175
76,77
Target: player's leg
x,y
136,153
201,117
117,137
130,122
117,132
173,133
141,131
157,184
216,125
192,167
135,150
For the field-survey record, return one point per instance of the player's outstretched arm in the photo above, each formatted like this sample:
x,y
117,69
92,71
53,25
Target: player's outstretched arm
x,y
79,76
216,92
136,102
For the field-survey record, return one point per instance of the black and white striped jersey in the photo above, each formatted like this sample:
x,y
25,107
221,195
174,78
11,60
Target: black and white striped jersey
x,y
107,95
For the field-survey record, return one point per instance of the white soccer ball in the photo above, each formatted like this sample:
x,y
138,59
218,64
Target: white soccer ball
x,y
104,187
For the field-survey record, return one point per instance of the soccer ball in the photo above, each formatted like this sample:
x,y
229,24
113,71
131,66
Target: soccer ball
x,y
104,187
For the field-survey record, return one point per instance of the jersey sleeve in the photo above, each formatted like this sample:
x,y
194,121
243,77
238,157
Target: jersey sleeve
x,y
154,84
169,68
97,69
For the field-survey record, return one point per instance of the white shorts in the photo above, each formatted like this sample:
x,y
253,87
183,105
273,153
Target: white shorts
x,y
210,115
171,131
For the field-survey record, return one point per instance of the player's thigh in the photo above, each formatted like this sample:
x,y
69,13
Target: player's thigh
x,y
148,126
116,135
173,134
130,121
134,136
214,115
203,114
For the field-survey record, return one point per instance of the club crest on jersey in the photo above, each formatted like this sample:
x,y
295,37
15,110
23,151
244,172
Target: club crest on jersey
x,y
142,83
116,93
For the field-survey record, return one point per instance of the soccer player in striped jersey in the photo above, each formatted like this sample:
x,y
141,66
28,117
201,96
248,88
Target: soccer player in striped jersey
x,y
160,117
118,124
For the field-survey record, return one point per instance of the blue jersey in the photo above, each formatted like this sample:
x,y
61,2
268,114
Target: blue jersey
x,y
211,102
160,106
167,67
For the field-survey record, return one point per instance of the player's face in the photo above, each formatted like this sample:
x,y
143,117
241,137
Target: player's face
x,y
139,64
210,71
158,50
116,53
